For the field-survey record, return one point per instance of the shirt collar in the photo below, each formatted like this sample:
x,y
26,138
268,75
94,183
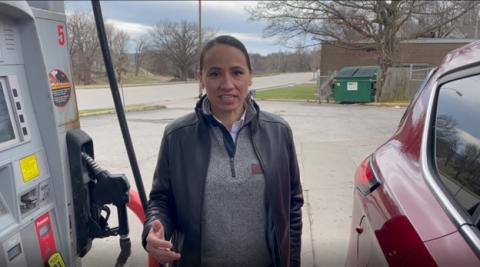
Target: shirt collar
x,y
207,110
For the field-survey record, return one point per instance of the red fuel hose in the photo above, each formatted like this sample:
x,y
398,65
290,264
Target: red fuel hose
x,y
135,205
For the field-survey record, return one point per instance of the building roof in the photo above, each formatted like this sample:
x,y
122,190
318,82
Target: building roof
x,y
439,40
423,41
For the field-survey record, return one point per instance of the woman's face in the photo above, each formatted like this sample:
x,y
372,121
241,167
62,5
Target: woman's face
x,y
226,77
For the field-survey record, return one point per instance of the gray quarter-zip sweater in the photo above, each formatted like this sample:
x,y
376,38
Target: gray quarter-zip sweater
x,y
234,207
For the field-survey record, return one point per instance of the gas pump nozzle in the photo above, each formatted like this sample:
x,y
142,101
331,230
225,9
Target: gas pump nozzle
x,y
107,188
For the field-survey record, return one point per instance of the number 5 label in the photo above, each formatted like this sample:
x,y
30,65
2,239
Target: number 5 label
x,y
61,34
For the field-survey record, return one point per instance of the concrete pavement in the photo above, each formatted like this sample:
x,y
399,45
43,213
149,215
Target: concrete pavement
x,y
331,140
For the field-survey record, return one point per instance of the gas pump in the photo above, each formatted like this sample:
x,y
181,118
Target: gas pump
x,y
53,196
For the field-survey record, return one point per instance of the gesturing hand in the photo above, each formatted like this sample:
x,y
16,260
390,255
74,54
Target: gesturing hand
x,y
158,247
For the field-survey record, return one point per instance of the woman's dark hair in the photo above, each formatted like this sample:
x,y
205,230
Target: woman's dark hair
x,y
225,40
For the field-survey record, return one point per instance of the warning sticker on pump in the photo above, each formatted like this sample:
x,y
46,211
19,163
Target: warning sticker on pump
x,y
29,167
61,87
56,260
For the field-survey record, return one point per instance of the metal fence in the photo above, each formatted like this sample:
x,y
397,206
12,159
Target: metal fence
x,y
418,72
402,82
324,86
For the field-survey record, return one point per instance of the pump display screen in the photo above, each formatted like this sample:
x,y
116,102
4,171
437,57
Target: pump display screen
x,y
6,126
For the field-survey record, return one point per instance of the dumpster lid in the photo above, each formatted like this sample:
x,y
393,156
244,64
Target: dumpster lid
x,y
367,71
357,71
346,72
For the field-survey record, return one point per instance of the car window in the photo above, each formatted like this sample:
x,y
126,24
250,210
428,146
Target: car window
x,y
457,142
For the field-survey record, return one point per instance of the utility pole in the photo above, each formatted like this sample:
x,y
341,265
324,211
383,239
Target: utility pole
x,y
200,89
199,25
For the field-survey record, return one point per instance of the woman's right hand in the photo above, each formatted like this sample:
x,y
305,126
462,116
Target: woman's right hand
x,y
158,247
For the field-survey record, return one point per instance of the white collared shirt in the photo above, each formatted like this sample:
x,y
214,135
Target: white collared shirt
x,y
236,125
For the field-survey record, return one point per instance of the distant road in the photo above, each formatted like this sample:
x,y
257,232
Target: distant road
x,y
162,94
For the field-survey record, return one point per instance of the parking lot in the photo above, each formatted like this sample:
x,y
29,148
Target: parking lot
x,y
331,140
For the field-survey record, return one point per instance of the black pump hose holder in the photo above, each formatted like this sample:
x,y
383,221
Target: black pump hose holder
x,y
97,11
105,189
125,244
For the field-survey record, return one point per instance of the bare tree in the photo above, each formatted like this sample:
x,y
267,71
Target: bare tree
x,y
462,27
446,137
371,25
155,62
117,42
299,60
140,52
472,163
83,45
468,25
178,42
467,163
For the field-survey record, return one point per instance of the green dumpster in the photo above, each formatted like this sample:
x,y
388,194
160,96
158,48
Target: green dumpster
x,y
355,84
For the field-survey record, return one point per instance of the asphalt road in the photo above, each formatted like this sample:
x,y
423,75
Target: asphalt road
x,y
331,140
164,94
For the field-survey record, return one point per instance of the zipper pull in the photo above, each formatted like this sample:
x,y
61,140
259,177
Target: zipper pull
x,y
232,167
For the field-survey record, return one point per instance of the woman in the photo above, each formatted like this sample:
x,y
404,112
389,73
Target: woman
x,y
226,188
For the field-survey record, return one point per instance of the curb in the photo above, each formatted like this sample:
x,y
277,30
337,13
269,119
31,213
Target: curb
x,y
127,109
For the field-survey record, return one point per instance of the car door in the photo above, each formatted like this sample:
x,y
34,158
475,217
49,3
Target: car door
x,y
454,164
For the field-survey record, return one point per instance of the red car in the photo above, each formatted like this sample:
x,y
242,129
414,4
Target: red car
x,y
416,198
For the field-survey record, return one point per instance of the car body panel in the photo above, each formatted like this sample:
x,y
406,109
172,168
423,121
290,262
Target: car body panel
x,y
388,237
410,194
363,251
459,251
403,222
461,57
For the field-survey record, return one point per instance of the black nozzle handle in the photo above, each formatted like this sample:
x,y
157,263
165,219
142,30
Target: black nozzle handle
x,y
122,220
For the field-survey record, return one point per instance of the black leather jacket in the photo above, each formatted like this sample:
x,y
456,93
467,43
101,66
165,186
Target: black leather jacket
x,y
177,192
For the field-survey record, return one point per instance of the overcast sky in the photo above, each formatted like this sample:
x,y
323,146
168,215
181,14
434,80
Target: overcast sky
x,y
227,17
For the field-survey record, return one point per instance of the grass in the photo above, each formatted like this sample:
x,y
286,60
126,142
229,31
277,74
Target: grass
x,y
130,78
297,92
307,92
130,108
